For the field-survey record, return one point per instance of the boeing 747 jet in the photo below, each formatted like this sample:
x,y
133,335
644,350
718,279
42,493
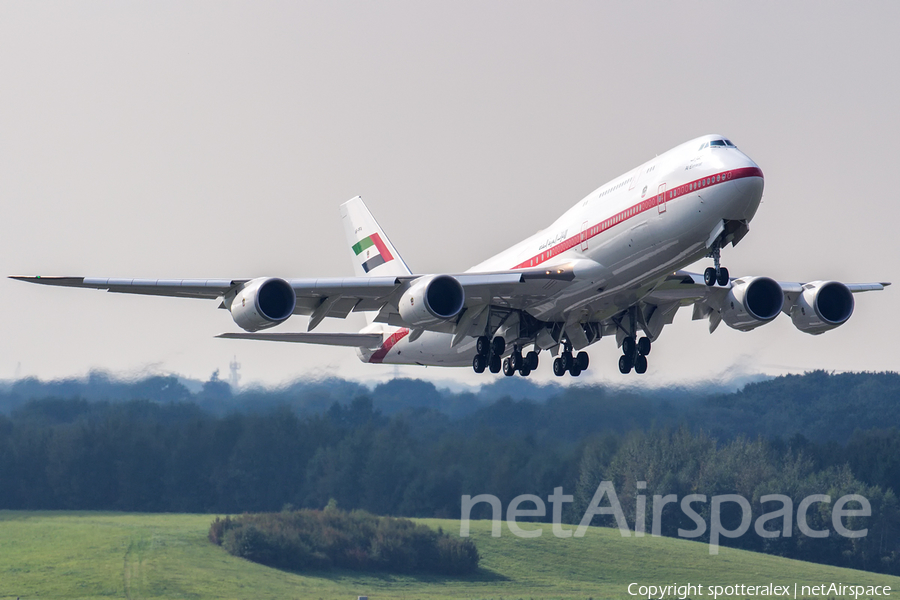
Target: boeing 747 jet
x,y
610,266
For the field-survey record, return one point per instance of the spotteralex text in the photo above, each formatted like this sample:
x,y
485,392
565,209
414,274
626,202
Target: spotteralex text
x,y
794,590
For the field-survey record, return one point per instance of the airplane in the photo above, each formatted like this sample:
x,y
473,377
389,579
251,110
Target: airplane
x,y
610,266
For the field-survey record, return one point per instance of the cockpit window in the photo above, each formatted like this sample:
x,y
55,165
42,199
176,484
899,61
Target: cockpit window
x,y
717,144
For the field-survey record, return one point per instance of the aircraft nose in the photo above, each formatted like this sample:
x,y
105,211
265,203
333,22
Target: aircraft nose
x,y
745,162
749,183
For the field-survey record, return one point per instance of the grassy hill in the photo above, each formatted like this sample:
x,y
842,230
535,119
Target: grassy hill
x,y
67,555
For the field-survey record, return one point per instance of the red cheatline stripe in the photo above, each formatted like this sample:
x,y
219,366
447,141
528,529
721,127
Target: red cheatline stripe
x,y
382,249
389,343
633,211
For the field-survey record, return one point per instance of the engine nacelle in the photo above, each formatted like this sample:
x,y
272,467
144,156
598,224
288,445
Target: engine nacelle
x,y
751,302
262,303
823,305
432,299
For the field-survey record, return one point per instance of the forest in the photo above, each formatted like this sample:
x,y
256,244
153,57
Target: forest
x,y
408,449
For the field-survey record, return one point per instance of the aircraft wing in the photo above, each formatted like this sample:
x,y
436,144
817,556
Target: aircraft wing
x,y
184,288
337,297
683,288
355,340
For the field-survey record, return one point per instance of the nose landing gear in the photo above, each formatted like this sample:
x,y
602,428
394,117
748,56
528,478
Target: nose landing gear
x,y
717,274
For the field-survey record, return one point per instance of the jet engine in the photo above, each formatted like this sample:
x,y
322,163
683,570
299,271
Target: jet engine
x,y
823,305
262,303
751,302
432,299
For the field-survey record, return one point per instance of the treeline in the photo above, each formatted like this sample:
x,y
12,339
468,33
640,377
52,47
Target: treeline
x,y
678,463
302,540
820,406
144,455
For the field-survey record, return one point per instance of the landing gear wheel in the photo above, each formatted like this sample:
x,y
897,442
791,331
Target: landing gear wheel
x,y
644,346
709,276
574,371
566,358
524,371
479,363
483,345
508,369
624,365
515,360
531,360
722,279
582,360
558,368
498,345
494,365
628,345
640,364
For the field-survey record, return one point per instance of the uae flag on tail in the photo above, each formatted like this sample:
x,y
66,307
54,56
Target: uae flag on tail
x,y
372,251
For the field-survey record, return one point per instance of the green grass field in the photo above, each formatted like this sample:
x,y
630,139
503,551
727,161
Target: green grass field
x,y
64,555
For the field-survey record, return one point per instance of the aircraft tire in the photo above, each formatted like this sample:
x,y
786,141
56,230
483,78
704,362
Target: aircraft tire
x,y
574,371
628,346
479,363
558,369
498,345
524,371
624,365
515,359
531,360
494,364
709,276
722,278
640,364
567,360
508,369
644,346
483,345
582,360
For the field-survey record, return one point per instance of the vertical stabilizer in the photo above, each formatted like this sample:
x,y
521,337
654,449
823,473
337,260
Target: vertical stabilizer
x,y
372,252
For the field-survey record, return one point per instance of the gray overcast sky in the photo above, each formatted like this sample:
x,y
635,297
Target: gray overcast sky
x,y
217,139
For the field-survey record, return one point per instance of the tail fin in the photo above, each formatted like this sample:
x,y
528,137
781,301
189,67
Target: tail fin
x,y
372,252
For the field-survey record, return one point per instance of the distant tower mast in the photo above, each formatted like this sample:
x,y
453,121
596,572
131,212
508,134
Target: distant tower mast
x,y
235,376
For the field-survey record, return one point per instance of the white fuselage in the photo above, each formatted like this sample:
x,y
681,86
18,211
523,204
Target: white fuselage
x,y
637,228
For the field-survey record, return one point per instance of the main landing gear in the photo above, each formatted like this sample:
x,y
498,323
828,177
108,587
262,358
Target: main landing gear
x,y
567,362
489,352
717,274
634,355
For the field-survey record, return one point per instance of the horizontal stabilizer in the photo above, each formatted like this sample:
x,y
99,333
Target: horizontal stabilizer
x,y
353,340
